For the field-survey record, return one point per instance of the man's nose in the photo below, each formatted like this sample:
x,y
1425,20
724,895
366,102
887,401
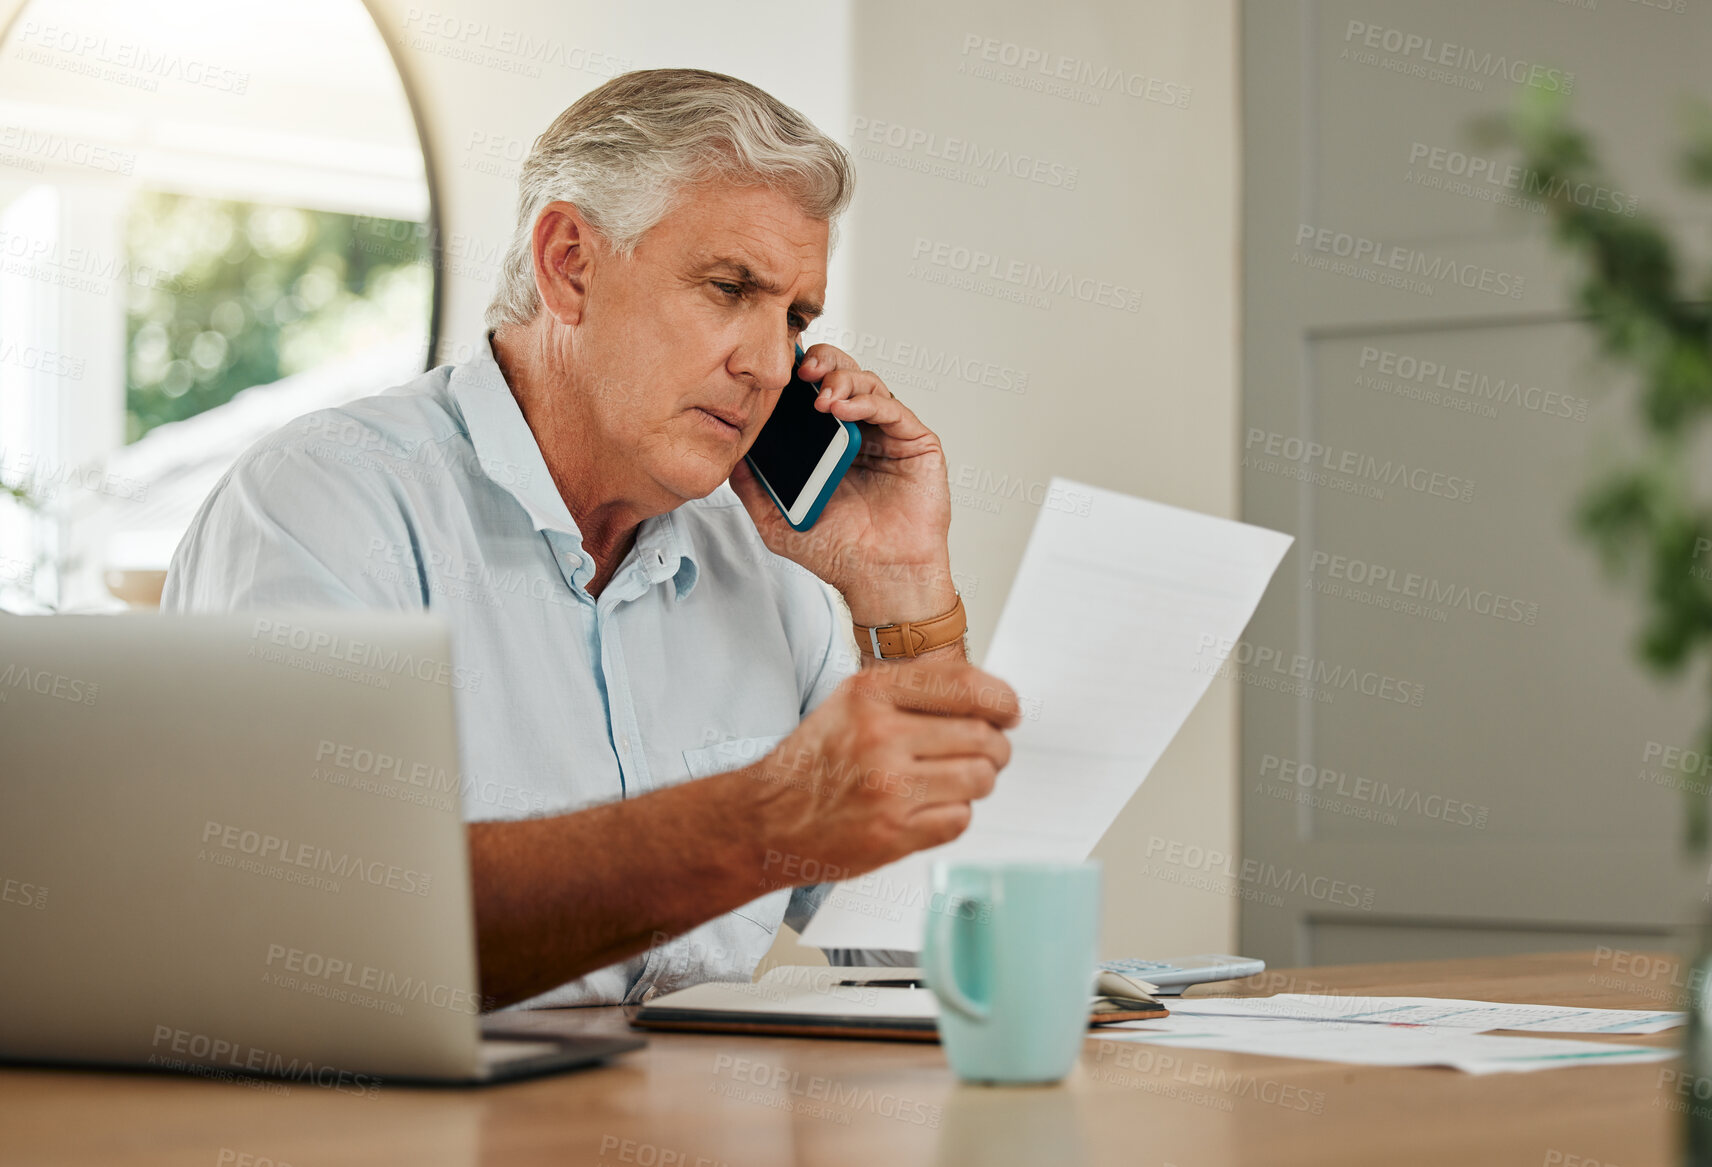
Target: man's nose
x,y
767,361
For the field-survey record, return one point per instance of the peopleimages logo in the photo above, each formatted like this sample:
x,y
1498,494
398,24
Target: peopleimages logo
x,y
47,684
1290,772
1524,180
1254,874
1364,468
1001,487
962,152
1405,367
43,477
69,151
1675,768
82,268
795,1089
871,348
1055,73
1369,579
42,360
1417,54
150,66
516,50
219,1052
265,847
1153,1065
1372,255
1319,673
1025,275
379,764
333,976
25,895
363,654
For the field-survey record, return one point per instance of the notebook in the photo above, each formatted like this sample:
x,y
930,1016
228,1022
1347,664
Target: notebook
x,y
885,1003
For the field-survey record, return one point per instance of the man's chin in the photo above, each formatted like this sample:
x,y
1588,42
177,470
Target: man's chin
x,y
696,478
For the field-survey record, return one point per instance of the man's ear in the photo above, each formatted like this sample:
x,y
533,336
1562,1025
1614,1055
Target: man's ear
x,y
563,260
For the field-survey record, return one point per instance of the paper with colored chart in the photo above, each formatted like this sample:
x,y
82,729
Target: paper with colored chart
x,y
1121,613
1369,1044
1443,1012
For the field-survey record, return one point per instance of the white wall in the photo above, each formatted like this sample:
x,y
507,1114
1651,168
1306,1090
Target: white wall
x,y
1141,401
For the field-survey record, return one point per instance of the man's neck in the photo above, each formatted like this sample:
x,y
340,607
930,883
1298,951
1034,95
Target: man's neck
x,y
550,407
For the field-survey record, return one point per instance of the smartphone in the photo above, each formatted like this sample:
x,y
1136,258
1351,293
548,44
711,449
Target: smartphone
x,y
801,453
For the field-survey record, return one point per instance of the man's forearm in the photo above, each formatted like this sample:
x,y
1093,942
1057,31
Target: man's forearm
x,y
557,898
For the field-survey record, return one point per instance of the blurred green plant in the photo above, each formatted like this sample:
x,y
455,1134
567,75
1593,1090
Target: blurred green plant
x,y
1654,317
258,293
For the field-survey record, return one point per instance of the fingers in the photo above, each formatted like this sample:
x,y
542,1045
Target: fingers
x,y
953,737
821,359
889,414
945,689
844,383
851,393
940,780
934,826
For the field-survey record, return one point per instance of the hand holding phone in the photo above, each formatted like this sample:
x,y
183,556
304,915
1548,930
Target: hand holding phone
x,y
801,453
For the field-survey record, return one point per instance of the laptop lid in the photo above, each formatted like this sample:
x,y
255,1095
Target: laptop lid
x,y
235,842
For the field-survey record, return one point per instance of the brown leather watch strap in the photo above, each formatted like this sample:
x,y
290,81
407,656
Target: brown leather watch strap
x,y
912,637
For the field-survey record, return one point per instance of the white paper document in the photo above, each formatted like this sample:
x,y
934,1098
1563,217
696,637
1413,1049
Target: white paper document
x,y
1368,1044
1121,613
1438,1011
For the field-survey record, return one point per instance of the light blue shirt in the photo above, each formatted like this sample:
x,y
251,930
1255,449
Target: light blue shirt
x,y
701,653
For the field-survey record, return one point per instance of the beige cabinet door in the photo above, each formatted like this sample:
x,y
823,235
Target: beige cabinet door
x,y
1447,746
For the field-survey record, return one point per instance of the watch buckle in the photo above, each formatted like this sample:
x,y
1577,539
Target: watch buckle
x,y
874,641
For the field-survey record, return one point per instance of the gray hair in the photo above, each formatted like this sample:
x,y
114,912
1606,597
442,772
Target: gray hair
x,y
622,153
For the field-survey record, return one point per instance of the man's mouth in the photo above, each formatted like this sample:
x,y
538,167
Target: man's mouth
x,y
727,420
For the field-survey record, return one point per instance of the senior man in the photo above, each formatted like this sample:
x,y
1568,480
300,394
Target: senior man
x,y
670,730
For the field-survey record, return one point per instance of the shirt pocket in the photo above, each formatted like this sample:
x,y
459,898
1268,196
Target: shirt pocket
x,y
732,754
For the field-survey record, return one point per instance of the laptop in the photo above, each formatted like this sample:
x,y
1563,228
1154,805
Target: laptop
x,y
233,845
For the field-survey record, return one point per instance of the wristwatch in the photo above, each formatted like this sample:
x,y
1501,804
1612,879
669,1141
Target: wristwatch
x,y
912,637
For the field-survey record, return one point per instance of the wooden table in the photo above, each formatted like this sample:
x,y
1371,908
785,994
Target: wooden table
x,y
715,1101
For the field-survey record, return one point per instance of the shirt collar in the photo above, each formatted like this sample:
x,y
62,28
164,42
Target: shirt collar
x,y
509,455
666,551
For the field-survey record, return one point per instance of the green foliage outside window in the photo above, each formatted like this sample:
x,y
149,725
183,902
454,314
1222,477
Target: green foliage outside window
x,y
257,293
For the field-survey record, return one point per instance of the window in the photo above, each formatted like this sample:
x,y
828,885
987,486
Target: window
x,y
214,217
256,293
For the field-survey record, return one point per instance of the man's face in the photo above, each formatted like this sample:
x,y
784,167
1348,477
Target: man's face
x,y
684,345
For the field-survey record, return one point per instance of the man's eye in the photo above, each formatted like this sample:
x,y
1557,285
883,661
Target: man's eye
x,y
796,322
729,289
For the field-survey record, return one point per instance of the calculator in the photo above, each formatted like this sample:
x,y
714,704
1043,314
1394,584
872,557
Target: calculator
x,y
1174,975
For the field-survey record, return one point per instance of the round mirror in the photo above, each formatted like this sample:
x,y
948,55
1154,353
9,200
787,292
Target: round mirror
x,y
214,217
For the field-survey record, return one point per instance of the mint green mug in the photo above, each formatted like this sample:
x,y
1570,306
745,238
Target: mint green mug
x,y
1010,951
